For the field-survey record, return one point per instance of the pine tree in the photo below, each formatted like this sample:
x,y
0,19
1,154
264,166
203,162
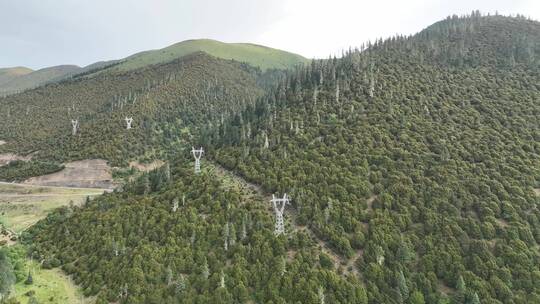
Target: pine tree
x,y
29,279
321,295
475,299
460,286
402,286
180,284
222,280
168,275
167,172
205,271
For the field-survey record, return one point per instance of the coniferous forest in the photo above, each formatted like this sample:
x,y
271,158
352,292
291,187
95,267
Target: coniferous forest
x,y
412,164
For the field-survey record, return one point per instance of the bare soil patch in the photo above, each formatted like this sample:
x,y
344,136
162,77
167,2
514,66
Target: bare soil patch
x,y
146,167
370,201
6,239
91,173
445,289
502,223
6,158
2,142
537,191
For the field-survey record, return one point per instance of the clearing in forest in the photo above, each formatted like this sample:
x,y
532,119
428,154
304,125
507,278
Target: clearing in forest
x,y
6,158
49,286
21,206
90,173
146,167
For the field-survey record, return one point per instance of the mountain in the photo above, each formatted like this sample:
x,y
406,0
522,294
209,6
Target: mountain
x,y
255,55
412,166
7,74
482,41
28,80
425,161
189,91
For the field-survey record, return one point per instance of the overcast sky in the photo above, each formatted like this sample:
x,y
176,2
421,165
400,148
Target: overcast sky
x,y
41,33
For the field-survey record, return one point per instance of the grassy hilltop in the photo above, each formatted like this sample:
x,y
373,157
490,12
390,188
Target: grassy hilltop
x,y
255,55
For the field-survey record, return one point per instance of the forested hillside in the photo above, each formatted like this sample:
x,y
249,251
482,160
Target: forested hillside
x,y
425,163
494,41
415,161
176,237
185,93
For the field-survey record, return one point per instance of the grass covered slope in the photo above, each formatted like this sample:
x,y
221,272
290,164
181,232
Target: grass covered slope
x,y
14,80
8,74
44,285
21,206
255,55
37,78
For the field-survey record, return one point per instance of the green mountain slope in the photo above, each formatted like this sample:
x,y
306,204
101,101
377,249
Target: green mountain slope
x,y
255,55
413,168
186,92
482,40
218,246
37,78
426,165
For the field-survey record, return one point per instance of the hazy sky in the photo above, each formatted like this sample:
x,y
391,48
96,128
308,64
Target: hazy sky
x,y
41,33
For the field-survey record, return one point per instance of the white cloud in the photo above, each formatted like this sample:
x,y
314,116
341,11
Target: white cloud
x,y
318,28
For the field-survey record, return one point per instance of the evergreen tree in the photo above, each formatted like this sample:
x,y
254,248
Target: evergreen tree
x,y
402,285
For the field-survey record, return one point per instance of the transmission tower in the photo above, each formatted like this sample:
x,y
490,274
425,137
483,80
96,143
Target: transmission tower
x,y
197,154
279,208
128,122
75,126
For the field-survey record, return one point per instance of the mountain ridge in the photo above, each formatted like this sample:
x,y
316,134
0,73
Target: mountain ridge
x,y
243,52
256,55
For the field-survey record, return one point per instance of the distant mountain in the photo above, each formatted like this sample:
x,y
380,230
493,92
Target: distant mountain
x,y
20,79
8,74
27,79
255,55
